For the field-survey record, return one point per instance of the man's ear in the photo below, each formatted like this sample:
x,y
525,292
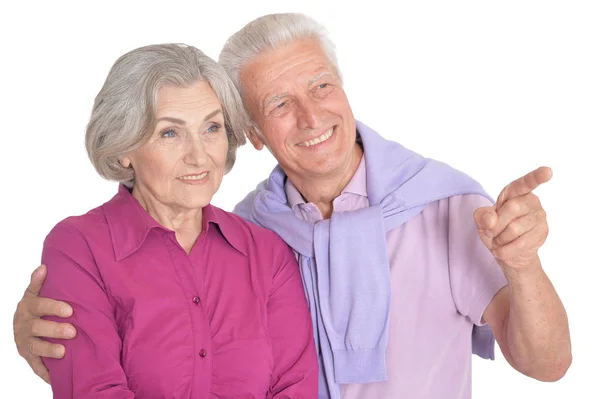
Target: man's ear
x,y
255,138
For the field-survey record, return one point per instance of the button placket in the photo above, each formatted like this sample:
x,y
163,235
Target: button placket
x,y
189,278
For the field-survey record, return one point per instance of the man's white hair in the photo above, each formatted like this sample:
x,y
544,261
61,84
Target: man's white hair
x,y
268,32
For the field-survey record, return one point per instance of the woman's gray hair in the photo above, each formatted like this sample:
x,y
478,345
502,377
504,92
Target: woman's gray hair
x,y
124,111
268,32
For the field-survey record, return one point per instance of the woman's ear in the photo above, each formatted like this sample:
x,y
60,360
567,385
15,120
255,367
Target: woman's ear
x,y
125,161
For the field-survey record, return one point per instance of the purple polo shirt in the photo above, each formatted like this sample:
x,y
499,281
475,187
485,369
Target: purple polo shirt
x,y
443,278
228,320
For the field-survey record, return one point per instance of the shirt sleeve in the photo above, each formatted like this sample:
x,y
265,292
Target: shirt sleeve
x,y
91,367
475,276
295,373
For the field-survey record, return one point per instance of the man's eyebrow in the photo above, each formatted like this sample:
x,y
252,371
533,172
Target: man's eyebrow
x,y
319,76
312,80
275,99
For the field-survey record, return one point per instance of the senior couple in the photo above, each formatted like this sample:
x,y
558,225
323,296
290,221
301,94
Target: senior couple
x,y
357,269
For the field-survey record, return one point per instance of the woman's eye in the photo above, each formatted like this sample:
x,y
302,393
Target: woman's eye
x,y
213,128
168,133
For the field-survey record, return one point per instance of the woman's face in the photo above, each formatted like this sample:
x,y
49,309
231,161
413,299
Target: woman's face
x,y
182,164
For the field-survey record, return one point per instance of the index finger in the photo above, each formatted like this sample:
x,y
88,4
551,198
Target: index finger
x,y
40,306
524,185
36,306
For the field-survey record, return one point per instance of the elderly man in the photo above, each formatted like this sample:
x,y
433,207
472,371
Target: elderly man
x,y
408,265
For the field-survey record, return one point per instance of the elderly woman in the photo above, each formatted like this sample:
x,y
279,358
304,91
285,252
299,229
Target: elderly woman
x,y
173,297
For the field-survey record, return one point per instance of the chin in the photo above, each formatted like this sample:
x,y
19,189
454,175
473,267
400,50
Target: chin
x,y
191,206
193,202
329,164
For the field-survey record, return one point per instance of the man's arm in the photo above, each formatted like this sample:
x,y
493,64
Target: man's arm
x,y
29,327
527,317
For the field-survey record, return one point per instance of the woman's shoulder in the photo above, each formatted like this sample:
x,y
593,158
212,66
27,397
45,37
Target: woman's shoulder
x,y
89,226
95,223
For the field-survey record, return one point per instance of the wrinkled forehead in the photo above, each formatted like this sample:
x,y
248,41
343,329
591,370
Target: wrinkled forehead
x,y
197,99
298,63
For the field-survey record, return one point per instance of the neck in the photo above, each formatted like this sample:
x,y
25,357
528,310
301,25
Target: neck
x,y
322,190
186,223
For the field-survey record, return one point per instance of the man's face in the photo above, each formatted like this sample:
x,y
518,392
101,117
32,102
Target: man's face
x,y
297,101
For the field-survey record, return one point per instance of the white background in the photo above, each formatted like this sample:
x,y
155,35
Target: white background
x,y
496,89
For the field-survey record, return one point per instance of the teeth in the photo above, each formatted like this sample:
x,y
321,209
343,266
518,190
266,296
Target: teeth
x,y
194,177
318,140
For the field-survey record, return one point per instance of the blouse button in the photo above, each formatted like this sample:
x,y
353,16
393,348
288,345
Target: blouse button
x,y
196,300
203,353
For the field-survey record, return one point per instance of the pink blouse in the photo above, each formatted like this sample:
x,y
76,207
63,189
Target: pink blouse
x,y
229,320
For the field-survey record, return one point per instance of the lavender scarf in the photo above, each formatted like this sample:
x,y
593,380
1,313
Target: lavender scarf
x,y
345,269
